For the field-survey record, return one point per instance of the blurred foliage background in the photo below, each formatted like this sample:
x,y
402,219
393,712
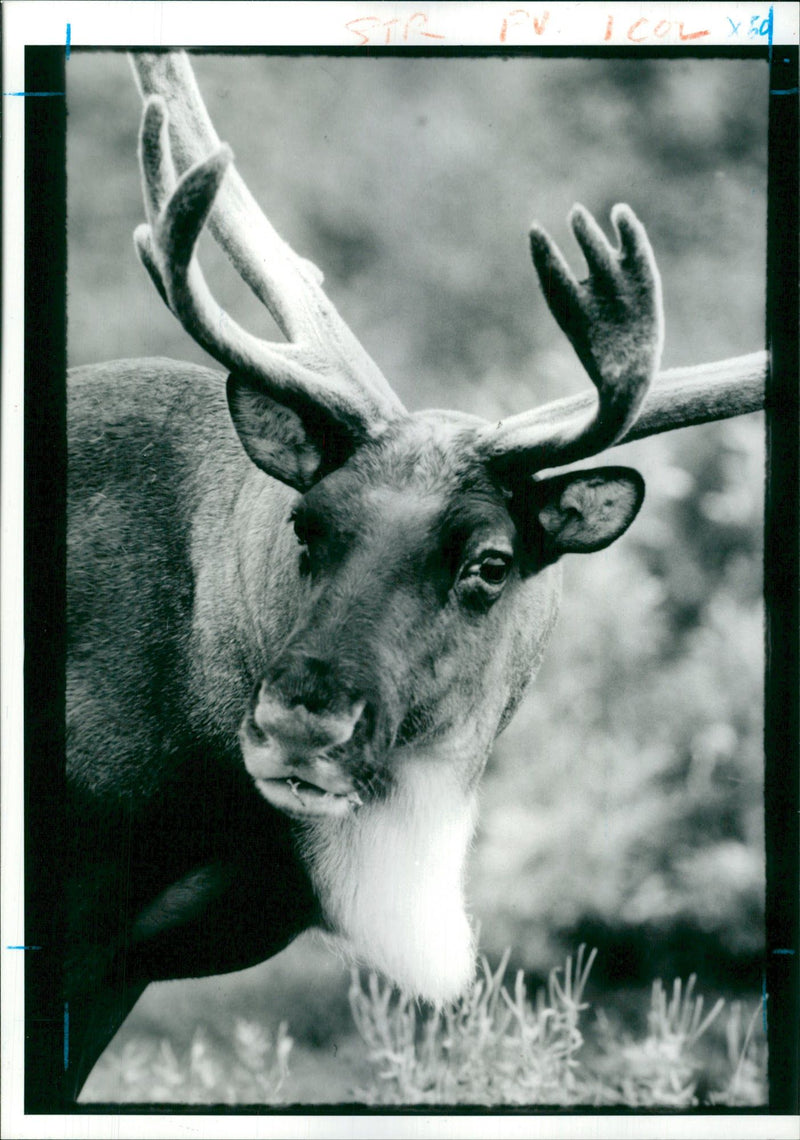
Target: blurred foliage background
x,y
623,806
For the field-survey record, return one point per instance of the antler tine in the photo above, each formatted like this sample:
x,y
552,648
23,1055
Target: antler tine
x,y
678,398
614,321
177,210
324,360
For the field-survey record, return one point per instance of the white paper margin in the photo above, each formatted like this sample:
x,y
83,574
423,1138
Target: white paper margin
x,y
310,24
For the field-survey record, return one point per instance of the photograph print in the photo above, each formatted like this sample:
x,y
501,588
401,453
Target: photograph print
x,y
414,697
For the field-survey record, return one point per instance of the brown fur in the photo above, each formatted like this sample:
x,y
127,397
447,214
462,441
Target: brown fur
x,y
370,658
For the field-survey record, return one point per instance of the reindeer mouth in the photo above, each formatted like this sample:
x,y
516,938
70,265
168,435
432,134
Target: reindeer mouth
x,y
301,799
302,772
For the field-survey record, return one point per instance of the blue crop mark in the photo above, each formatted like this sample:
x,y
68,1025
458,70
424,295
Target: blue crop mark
x,y
33,94
783,951
66,1035
764,999
69,38
23,947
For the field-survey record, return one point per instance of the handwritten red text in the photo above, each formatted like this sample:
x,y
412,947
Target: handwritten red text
x,y
372,30
521,18
644,30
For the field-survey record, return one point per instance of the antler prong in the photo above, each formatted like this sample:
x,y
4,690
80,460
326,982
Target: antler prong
x,y
614,321
155,155
189,178
678,398
185,213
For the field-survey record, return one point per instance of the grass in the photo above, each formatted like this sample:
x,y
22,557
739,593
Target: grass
x,y
497,1046
250,1069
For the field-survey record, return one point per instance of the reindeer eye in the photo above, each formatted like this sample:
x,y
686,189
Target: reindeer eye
x,y
494,569
487,574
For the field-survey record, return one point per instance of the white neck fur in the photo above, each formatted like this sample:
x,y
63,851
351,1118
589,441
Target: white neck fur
x,y
390,878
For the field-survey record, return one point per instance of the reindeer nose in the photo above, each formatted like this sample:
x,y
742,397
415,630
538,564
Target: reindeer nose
x,y
295,730
312,682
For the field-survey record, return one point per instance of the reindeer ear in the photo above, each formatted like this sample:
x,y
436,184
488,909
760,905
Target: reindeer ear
x,y
297,444
584,511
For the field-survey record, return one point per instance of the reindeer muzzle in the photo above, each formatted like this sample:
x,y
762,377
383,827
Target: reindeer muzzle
x,y
297,756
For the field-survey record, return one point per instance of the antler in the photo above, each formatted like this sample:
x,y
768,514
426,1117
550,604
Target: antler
x,y
614,320
188,178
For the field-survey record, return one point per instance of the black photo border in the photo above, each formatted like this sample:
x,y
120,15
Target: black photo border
x,y
44,579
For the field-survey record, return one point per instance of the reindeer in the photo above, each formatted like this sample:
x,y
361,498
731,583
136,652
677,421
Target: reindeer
x,y
299,614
